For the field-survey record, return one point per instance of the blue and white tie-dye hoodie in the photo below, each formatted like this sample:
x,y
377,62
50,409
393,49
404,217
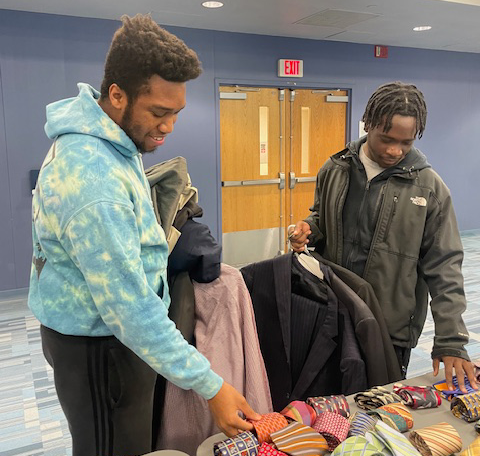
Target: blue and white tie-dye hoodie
x,y
99,255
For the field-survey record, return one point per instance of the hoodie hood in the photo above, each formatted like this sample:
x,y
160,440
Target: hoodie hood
x,y
83,115
415,160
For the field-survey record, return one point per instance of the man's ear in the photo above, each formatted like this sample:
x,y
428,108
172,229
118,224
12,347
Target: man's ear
x,y
118,97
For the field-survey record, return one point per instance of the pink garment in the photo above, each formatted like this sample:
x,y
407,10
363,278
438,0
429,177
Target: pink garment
x,y
226,333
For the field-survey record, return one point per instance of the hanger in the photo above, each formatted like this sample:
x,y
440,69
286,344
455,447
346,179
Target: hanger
x,y
305,258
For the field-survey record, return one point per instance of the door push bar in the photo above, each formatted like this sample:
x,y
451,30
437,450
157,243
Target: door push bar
x,y
280,181
299,180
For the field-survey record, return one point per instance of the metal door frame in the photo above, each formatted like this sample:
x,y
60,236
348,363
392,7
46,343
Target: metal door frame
x,y
273,84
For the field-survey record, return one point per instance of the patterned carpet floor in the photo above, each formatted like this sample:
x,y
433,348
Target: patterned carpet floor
x,y
31,420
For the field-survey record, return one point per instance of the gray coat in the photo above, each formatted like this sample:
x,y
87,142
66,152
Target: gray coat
x,y
408,223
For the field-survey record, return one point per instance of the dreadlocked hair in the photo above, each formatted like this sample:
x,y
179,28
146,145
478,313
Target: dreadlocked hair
x,y
395,98
141,49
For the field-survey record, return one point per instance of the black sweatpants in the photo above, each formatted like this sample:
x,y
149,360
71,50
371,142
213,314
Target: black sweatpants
x,y
106,392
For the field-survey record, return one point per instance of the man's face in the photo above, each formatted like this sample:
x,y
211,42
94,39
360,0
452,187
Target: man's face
x,y
150,118
389,148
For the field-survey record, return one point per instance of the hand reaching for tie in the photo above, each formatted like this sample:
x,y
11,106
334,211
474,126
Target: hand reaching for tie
x,y
225,406
461,366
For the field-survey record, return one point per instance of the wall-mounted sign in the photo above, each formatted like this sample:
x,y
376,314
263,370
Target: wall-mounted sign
x,y
288,68
381,52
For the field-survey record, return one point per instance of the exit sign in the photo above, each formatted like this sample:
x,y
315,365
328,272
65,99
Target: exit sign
x,y
381,52
288,68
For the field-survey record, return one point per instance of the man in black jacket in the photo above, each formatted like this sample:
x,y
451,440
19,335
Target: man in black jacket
x,y
381,211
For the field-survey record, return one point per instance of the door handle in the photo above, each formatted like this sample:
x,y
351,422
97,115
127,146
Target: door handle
x,y
292,180
302,180
246,183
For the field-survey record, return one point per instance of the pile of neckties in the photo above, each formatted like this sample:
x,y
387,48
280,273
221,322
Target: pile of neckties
x,y
323,424
310,428
378,431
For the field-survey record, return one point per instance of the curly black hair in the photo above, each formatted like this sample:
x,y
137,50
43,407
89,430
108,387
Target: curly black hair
x,y
140,49
395,98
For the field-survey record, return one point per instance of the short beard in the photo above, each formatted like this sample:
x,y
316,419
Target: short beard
x,y
130,129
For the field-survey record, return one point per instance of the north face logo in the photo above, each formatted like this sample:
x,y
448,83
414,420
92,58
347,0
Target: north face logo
x,y
419,201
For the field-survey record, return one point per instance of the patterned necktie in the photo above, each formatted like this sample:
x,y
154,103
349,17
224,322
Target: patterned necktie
x,y
360,423
396,415
473,449
301,412
333,427
356,446
375,397
442,387
336,404
438,440
243,444
269,423
379,443
268,450
400,409
466,407
394,441
394,420
418,397
299,440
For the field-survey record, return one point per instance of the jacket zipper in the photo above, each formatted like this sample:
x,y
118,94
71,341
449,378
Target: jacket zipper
x,y
390,218
340,204
360,212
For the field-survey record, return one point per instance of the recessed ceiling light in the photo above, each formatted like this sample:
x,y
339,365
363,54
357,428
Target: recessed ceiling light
x,y
422,28
212,4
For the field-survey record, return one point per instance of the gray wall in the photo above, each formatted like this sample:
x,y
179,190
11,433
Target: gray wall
x,y
42,57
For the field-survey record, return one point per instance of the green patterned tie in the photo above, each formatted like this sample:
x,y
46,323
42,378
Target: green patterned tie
x,y
398,444
356,445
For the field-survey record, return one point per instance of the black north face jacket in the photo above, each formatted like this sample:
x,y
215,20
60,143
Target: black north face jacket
x,y
400,234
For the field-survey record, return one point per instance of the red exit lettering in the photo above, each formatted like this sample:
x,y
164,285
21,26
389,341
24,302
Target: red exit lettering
x,y
291,67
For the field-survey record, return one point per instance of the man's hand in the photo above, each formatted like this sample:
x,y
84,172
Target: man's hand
x,y
225,406
462,367
298,238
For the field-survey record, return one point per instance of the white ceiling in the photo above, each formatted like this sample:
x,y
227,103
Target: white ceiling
x,y
455,23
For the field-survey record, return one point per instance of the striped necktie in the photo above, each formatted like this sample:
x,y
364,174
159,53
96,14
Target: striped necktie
x,y
466,407
379,443
356,445
299,440
360,423
394,441
243,444
438,440
473,449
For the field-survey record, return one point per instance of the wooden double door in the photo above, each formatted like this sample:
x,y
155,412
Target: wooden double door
x,y
273,142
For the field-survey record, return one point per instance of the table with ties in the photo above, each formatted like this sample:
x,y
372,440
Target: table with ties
x,y
422,418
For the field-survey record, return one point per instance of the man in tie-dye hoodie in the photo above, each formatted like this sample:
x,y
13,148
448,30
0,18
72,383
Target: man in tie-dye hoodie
x,y
98,281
